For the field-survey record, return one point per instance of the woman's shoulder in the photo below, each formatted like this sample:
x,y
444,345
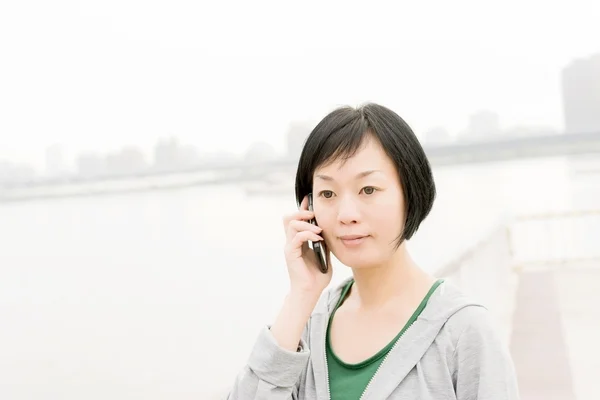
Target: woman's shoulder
x,y
471,318
473,326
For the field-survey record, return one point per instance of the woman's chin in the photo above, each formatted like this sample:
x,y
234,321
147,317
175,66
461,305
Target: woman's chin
x,y
356,263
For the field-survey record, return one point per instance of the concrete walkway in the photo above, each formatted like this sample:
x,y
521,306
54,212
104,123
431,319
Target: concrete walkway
x,y
555,339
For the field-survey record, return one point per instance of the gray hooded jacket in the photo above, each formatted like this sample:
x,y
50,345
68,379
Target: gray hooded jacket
x,y
452,351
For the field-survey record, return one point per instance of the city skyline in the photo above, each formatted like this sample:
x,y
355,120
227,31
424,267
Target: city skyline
x,y
170,154
135,72
70,158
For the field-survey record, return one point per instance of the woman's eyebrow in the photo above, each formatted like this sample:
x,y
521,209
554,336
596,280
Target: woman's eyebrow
x,y
360,175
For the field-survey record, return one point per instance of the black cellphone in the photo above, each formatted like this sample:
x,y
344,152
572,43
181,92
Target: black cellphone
x,y
318,247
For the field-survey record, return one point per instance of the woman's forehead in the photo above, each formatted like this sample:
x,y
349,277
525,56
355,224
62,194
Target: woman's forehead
x,y
369,157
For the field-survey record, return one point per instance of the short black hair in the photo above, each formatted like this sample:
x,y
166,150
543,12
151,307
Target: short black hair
x,y
339,136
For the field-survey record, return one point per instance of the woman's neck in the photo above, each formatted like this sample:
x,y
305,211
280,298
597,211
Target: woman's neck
x,y
398,279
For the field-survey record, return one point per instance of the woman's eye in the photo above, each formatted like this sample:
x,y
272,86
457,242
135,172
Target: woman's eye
x,y
327,194
369,190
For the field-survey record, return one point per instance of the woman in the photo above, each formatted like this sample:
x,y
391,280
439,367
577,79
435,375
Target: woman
x,y
392,330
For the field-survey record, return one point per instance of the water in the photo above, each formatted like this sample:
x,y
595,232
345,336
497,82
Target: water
x,y
160,295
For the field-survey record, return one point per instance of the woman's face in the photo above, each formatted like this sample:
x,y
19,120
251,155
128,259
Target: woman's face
x,y
359,203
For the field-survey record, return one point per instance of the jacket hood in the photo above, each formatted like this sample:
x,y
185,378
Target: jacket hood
x,y
444,302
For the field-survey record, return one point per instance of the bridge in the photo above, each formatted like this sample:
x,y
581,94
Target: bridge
x,y
516,148
439,155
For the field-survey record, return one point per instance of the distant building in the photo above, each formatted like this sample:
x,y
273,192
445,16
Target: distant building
x,y
521,131
90,165
483,124
581,95
169,154
55,162
130,160
296,136
166,154
216,158
188,156
437,136
259,151
11,173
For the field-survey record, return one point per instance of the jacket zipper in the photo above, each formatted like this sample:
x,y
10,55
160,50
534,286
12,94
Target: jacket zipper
x,y
325,359
326,372
379,367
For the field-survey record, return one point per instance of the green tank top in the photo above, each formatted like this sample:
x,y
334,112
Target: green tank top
x,y
348,381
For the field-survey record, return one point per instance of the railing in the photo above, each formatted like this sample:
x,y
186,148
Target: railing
x,y
488,271
485,273
556,239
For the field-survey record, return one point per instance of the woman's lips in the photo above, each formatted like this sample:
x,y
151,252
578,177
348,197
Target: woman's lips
x,y
352,240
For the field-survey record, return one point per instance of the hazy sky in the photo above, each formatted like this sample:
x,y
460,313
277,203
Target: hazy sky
x,y
99,75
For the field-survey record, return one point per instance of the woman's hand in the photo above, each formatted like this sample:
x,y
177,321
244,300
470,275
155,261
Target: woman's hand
x,y
307,282
301,260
